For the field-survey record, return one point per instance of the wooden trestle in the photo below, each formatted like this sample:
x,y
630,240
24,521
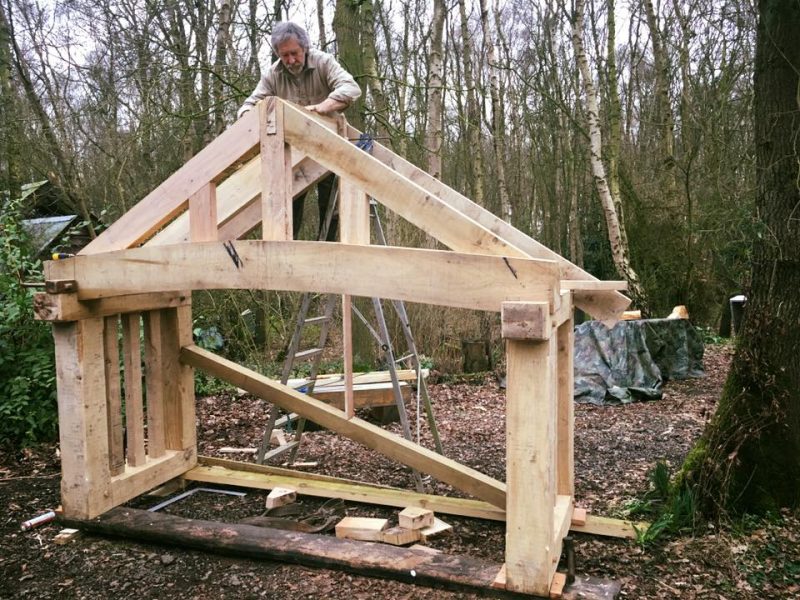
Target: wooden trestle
x,y
138,277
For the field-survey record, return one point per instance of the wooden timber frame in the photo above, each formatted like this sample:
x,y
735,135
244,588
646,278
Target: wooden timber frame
x,y
187,235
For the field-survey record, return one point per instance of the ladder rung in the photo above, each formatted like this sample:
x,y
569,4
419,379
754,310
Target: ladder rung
x,y
282,421
404,358
305,354
280,450
316,320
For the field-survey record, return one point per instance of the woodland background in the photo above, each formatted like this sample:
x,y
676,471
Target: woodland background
x,y
618,133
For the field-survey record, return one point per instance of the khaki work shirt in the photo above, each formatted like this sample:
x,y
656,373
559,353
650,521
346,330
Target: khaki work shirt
x,y
322,77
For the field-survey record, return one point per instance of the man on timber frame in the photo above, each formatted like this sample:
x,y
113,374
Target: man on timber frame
x,y
310,78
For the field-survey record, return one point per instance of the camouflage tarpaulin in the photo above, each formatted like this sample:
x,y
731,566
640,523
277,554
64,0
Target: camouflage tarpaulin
x,y
629,361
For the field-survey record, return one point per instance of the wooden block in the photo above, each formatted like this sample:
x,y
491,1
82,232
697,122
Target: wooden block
x,y
557,585
362,528
499,582
438,528
631,315
400,536
578,516
679,312
280,497
414,517
66,535
525,320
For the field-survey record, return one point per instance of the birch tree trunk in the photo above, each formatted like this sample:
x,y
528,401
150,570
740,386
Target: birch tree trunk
x,y
619,248
498,124
433,135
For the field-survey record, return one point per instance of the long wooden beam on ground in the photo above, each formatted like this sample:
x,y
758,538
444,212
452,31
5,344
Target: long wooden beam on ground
x,y
238,143
603,305
363,558
231,472
408,453
414,275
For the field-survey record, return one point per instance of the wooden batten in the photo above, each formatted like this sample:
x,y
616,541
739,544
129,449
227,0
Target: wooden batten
x,y
111,363
134,401
276,173
154,381
178,381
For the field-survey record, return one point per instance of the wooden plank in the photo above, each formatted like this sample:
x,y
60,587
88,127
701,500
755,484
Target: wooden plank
x,y
410,274
67,307
239,201
230,472
530,465
66,535
364,395
154,382
565,429
134,405
388,444
179,400
363,558
221,470
525,320
214,163
603,305
562,517
606,526
116,450
336,379
276,173
203,214
366,529
499,582
82,419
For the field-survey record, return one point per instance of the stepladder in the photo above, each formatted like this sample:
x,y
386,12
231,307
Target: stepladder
x,y
402,373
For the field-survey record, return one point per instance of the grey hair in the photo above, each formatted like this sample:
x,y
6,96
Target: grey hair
x,y
283,31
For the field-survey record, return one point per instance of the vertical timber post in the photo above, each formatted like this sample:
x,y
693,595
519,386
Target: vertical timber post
x,y
82,417
353,229
566,412
531,412
276,173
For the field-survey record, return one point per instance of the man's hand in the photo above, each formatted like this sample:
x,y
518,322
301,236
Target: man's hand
x,y
327,106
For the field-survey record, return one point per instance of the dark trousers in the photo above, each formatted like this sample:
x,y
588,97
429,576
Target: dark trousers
x,y
324,190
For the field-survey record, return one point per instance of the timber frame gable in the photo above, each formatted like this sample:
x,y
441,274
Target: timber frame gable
x,y
187,235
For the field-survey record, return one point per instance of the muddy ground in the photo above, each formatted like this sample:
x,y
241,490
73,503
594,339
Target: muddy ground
x,y
615,449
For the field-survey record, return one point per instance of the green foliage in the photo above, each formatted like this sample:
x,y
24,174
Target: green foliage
x,y
671,509
28,410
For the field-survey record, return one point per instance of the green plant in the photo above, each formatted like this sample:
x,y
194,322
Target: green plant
x,y
28,409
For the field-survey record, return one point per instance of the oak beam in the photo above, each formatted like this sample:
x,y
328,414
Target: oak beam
x,y
276,173
445,278
67,307
408,453
82,418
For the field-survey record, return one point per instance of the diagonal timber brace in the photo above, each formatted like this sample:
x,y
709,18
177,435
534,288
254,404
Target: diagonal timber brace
x,y
449,471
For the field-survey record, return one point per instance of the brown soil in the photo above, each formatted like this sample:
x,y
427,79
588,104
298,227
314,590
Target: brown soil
x,y
615,449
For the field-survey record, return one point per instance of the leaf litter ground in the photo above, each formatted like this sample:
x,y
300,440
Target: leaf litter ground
x,y
615,448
